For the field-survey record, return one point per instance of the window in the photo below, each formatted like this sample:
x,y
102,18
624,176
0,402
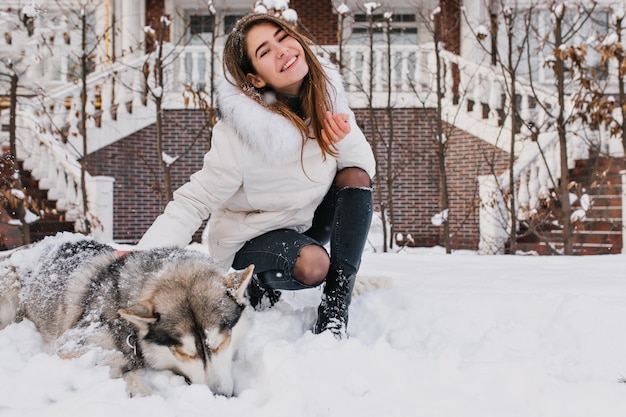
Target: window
x,y
201,28
229,22
403,29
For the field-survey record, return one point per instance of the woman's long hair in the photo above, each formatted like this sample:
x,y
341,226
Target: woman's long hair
x,y
314,94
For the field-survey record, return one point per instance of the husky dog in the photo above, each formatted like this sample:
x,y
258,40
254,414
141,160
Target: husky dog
x,y
164,309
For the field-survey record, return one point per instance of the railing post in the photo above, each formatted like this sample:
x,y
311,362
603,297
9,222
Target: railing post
x,y
623,174
492,217
101,205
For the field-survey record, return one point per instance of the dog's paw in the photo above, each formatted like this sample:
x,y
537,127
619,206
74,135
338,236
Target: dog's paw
x,y
135,385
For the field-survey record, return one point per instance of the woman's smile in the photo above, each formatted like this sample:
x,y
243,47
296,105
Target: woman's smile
x,y
289,63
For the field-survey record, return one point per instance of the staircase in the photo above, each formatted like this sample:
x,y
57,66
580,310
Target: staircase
x,y
51,221
599,231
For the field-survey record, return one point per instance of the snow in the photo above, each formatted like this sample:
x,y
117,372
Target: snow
x,y
290,15
439,218
168,159
435,335
370,7
343,9
30,10
261,9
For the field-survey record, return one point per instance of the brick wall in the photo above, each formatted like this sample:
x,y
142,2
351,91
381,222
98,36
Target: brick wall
x,y
317,19
134,163
413,164
415,189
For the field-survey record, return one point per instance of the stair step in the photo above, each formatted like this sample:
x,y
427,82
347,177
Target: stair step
x,y
579,237
48,227
610,212
599,226
602,200
543,248
600,232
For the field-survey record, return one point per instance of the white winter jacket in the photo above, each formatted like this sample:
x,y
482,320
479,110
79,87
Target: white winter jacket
x,y
254,179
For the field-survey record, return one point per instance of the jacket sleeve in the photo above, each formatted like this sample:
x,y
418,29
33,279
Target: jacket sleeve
x,y
355,151
207,189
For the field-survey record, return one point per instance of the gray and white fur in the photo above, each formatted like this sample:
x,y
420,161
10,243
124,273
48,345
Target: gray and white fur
x,y
165,309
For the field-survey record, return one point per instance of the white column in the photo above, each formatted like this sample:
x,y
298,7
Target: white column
x,y
131,21
493,215
101,205
623,174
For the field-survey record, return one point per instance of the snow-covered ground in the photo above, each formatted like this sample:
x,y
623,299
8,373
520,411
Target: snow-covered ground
x,y
447,335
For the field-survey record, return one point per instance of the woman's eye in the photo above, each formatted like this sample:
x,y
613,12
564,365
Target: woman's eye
x,y
283,37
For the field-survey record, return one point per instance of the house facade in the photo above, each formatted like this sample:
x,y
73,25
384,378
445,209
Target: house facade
x,y
391,74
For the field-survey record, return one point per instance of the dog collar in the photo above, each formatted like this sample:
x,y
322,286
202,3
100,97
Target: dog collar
x,y
131,342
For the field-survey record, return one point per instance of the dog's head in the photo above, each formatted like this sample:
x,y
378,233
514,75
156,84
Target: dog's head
x,y
187,322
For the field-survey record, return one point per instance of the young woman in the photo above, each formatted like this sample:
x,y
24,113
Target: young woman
x,y
288,171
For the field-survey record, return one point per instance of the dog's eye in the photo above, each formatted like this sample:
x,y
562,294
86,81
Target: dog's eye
x,y
181,353
186,349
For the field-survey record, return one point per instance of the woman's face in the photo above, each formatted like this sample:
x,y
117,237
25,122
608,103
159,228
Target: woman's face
x,y
277,58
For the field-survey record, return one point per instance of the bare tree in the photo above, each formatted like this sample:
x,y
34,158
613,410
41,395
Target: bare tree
x,y
437,29
155,70
375,139
378,80
82,19
516,28
566,25
13,194
85,59
440,137
157,95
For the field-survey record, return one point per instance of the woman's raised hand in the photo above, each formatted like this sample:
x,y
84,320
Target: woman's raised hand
x,y
336,127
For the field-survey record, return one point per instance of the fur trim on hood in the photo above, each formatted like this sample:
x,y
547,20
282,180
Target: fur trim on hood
x,y
265,132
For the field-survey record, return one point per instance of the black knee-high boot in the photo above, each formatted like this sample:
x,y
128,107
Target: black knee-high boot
x,y
351,223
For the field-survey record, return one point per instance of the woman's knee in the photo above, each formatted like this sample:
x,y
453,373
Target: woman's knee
x,y
352,177
312,265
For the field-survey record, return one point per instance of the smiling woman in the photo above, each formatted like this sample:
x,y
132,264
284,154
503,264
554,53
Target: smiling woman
x,y
288,171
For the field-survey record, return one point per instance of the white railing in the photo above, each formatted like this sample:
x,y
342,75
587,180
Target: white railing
x,y
50,144
60,175
45,56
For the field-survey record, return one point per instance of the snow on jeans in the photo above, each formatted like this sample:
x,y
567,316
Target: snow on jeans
x,y
274,253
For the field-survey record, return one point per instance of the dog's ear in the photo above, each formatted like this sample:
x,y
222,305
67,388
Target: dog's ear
x,y
141,314
237,282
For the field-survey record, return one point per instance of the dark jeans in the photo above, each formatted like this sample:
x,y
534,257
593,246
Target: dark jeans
x,y
274,253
